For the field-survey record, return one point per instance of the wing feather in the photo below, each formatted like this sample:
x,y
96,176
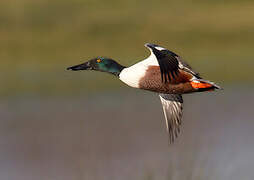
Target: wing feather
x,y
170,63
172,105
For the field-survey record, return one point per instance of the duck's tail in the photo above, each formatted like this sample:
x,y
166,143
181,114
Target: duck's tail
x,y
204,85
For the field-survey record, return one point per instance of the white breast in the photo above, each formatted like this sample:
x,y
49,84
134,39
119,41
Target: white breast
x,y
132,75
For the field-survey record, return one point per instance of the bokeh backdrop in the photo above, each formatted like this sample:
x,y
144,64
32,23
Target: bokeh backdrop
x,y
56,124
39,39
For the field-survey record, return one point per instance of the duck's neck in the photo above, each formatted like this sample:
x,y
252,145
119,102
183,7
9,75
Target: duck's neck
x,y
114,69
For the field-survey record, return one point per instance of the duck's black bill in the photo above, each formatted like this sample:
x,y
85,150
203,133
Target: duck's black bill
x,y
84,66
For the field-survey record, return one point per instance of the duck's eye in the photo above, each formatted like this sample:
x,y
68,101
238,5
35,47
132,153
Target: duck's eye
x,y
98,60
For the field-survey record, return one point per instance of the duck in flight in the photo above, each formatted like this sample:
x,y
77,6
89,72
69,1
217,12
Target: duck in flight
x,y
163,72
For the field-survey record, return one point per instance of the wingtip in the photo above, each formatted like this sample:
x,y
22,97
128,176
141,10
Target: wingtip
x,y
217,87
151,45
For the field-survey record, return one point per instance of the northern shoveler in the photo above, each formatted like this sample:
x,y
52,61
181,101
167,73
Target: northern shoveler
x,y
163,72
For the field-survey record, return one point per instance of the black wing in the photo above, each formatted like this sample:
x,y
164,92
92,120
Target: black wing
x,y
167,60
169,63
184,65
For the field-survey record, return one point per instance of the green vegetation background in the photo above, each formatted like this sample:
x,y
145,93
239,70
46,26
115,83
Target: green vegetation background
x,y
39,39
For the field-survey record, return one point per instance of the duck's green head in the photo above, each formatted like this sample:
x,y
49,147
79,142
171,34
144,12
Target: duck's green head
x,y
102,64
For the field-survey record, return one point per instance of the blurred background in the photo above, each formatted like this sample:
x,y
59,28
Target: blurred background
x,y
56,124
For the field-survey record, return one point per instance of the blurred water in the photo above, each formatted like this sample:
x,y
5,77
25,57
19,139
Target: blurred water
x,y
122,135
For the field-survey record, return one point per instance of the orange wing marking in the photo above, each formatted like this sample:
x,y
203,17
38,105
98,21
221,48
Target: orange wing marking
x,y
200,85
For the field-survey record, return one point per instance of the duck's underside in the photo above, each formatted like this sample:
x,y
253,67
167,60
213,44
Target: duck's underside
x,y
180,83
